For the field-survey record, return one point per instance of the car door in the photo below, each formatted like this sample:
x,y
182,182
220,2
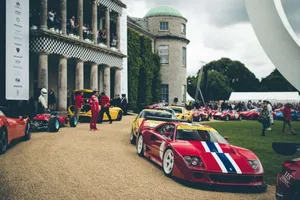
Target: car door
x,y
158,141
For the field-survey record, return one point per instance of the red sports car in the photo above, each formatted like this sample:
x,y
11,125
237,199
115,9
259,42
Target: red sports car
x,y
250,114
12,128
227,115
288,179
201,114
52,121
197,153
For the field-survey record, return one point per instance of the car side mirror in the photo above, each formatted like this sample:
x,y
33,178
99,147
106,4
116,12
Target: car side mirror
x,y
167,134
226,138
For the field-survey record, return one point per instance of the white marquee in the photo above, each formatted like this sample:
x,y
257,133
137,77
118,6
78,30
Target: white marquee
x,y
280,97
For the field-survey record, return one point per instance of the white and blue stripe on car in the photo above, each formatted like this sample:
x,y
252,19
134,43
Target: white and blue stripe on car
x,y
224,160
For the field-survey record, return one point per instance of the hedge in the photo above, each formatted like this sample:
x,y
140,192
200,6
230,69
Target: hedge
x,y
144,84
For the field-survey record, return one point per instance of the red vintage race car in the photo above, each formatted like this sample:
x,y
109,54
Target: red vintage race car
x,y
250,114
227,115
201,114
52,121
12,128
158,105
199,154
288,179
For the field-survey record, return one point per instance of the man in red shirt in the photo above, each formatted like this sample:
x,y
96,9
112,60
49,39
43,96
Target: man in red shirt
x,y
78,103
95,108
105,105
287,118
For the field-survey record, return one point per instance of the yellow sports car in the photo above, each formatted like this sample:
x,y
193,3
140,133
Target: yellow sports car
x,y
152,123
182,113
116,113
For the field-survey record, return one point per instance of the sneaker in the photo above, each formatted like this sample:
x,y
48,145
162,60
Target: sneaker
x,y
269,129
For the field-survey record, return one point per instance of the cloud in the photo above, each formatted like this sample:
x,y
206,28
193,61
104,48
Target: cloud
x,y
220,28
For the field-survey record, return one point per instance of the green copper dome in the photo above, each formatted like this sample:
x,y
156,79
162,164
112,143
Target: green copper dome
x,y
163,11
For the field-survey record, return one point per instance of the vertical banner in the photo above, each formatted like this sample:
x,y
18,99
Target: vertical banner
x,y
123,47
17,50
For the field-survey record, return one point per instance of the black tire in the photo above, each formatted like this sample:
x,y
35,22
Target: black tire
x,y
132,137
168,173
73,121
27,131
3,140
52,124
227,118
140,151
120,116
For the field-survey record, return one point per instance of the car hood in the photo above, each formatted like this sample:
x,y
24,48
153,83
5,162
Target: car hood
x,y
42,117
217,157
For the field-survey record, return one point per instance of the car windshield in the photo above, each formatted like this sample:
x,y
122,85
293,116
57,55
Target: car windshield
x,y
177,110
86,95
166,109
196,134
156,114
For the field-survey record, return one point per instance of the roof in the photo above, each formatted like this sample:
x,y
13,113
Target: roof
x,y
163,11
281,97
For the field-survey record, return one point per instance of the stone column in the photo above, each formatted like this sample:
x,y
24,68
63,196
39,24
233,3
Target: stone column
x,y
44,14
118,31
118,82
80,18
94,77
79,79
107,26
106,80
94,20
43,72
63,9
100,69
62,84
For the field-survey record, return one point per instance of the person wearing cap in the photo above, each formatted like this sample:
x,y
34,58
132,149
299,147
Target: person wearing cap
x,y
95,108
105,105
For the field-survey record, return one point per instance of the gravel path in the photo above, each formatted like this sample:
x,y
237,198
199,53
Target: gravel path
x,y
79,164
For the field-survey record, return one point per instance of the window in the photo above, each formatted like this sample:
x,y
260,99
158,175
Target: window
x,y
183,29
184,56
184,93
164,26
165,92
164,54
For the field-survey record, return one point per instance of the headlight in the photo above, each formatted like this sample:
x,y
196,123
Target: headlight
x,y
255,164
193,161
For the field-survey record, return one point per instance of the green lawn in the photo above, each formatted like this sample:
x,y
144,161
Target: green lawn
x,y
247,134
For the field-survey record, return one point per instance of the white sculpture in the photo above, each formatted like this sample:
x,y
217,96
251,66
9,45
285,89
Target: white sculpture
x,y
276,36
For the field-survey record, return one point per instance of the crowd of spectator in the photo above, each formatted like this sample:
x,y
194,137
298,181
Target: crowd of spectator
x,y
54,22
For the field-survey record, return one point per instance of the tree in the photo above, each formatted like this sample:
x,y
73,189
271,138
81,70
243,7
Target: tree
x,y
240,78
217,86
275,82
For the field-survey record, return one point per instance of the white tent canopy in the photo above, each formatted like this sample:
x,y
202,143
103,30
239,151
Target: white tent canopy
x,y
188,97
274,97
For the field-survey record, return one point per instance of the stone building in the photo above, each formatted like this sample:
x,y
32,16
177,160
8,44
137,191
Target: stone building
x,y
76,44
167,29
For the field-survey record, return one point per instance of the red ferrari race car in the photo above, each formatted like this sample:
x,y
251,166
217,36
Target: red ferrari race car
x,y
288,179
199,154
227,115
52,121
201,114
12,128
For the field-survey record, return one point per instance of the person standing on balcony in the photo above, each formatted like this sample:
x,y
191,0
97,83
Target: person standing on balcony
x,y
95,108
78,104
105,104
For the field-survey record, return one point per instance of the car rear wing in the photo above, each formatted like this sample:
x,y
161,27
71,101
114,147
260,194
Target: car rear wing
x,y
159,119
286,148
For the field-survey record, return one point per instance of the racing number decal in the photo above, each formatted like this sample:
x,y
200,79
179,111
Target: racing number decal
x,y
161,149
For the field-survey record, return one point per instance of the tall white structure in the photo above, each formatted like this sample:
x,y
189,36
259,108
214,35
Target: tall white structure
x,y
276,36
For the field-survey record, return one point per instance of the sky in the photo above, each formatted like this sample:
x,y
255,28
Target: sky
x,y
220,28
